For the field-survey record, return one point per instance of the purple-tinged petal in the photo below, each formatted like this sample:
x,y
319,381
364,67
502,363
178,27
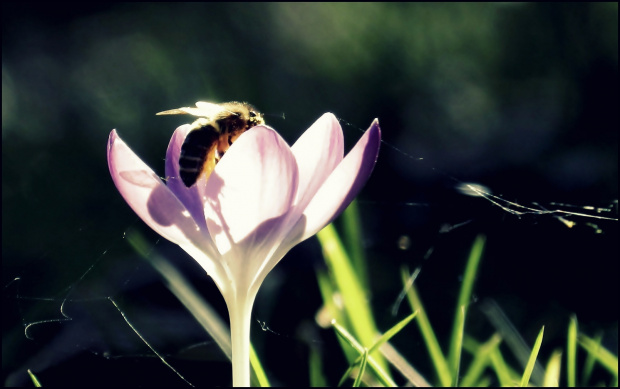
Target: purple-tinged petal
x,y
148,196
318,151
252,186
343,184
193,197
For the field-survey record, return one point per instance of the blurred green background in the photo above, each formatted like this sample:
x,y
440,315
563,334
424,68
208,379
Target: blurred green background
x,y
521,98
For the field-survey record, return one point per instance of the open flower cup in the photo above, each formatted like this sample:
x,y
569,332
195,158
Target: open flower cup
x,y
262,198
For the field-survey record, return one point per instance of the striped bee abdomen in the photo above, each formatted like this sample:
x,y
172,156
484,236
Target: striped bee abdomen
x,y
198,154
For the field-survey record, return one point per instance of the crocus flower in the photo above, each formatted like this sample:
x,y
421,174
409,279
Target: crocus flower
x,y
262,198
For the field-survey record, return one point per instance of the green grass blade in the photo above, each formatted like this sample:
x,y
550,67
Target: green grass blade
x,y
332,310
600,353
194,303
552,373
532,360
392,331
346,335
381,341
439,361
482,359
382,375
352,237
346,375
182,289
588,365
353,293
512,338
257,369
457,342
352,342
571,353
403,366
315,366
363,362
35,380
329,301
454,353
347,283
505,374
484,382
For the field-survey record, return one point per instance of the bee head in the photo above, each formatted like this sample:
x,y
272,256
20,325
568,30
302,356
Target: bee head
x,y
255,118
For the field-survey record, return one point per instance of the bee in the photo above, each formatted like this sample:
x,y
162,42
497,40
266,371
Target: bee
x,y
210,136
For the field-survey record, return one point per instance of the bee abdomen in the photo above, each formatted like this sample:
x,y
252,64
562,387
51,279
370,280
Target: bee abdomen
x,y
194,152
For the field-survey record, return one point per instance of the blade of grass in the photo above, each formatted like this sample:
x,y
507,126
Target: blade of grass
x,y
588,365
403,292
194,303
346,375
439,361
457,342
403,366
380,342
471,269
552,373
482,359
352,236
600,353
352,342
257,369
315,366
182,289
392,331
346,335
532,360
360,374
35,380
329,295
331,311
511,337
484,382
571,353
505,374
347,282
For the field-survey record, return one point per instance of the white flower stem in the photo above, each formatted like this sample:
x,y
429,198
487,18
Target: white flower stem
x,y
240,312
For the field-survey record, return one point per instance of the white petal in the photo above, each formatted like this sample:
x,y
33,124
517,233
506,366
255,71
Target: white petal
x,y
250,193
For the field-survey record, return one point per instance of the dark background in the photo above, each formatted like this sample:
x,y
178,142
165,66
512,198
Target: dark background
x,y
521,98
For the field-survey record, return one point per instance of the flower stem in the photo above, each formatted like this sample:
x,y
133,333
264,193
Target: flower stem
x,y
240,312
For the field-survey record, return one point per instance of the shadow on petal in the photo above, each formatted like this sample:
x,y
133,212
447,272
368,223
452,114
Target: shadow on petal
x,y
161,214
141,178
218,226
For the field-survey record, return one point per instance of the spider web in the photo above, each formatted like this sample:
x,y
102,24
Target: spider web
x,y
110,319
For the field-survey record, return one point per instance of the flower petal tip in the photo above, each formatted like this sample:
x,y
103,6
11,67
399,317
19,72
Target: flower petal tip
x,y
375,125
111,138
375,135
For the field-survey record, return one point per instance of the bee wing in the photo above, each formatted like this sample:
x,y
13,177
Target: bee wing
x,y
207,110
178,111
209,107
